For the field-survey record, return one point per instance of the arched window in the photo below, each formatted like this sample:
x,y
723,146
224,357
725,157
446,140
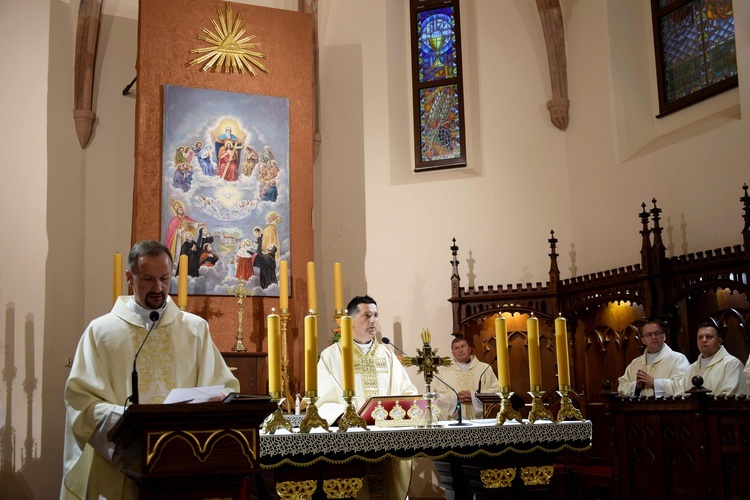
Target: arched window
x,y
437,83
695,50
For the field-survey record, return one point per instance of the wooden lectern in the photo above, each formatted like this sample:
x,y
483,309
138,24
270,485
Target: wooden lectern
x,y
188,451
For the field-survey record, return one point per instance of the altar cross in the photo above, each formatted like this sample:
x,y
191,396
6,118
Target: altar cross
x,y
427,360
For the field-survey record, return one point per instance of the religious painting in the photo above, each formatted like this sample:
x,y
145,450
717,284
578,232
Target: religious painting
x,y
225,188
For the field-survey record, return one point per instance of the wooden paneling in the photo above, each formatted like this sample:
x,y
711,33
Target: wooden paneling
x,y
167,32
251,369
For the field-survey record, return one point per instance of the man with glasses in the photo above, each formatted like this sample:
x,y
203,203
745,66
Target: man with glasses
x,y
659,371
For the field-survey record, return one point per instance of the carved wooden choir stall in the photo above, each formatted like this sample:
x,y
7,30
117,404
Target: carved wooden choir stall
x,y
605,311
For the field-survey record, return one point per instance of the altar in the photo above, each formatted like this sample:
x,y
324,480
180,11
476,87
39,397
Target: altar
x,y
503,458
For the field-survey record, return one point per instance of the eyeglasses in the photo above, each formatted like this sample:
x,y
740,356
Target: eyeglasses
x,y
652,334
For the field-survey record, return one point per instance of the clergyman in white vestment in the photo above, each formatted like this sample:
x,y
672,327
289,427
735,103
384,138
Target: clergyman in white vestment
x,y
658,371
465,375
721,372
179,353
377,372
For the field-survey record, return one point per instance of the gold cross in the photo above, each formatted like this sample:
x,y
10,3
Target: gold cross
x,y
427,360
240,292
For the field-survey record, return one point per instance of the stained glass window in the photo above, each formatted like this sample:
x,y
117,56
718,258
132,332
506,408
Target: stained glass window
x,y
437,81
695,50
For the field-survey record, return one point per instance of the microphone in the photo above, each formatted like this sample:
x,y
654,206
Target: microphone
x,y
387,341
479,388
154,317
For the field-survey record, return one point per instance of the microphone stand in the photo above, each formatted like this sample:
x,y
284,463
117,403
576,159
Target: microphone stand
x,y
154,317
479,387
458,403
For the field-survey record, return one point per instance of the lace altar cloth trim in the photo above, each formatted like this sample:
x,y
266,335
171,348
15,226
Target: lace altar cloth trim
x,y
482,436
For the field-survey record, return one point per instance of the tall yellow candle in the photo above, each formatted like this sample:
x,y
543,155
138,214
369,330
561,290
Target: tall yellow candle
x,y
311,352
561,345
283,285
117,277
501,342
274,353
347,353
312,295
535,367
338,288
182,282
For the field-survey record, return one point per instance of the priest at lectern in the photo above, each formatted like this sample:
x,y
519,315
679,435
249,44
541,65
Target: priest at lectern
x,y
145,334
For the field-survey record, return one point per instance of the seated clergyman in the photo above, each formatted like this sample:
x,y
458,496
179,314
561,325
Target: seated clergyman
x,y
466,375
659,371
721,372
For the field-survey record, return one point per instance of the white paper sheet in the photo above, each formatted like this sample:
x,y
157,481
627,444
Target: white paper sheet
x,y
194,394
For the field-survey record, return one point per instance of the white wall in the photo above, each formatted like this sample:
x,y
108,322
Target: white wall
x,y
23,192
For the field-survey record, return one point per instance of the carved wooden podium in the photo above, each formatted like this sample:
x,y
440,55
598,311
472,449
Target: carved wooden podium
x,y
190,451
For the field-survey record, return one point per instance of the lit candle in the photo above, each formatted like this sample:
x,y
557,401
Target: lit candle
x,y
182,282
311,352
117,277
312,296
535,368
501,342
283,285
338,288
274,353
561,344
347,353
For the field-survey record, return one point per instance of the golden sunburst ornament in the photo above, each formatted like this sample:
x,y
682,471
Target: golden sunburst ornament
x,y
229,52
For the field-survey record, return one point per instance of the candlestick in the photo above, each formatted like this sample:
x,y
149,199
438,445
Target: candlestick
x,y
350,418
276,420
117,277
274,354
338,290
285,361
283,285
311,353
182,282
567,410
312,419
561,345
312,296
535,367
506,412
538,411
347,354
501,344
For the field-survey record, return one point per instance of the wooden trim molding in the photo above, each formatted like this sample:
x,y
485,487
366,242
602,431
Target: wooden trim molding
x,y
87,36
554,39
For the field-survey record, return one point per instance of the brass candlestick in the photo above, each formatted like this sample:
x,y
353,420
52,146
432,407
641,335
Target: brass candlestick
x,y
350,418
312,418
538,411
506,412
276,420
288,401
567,410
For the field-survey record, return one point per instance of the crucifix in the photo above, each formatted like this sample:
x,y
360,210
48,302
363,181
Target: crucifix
x,y
240,292
427,362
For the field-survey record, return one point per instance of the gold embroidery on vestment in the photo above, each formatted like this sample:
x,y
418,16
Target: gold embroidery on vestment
x,y
369,366
155,363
